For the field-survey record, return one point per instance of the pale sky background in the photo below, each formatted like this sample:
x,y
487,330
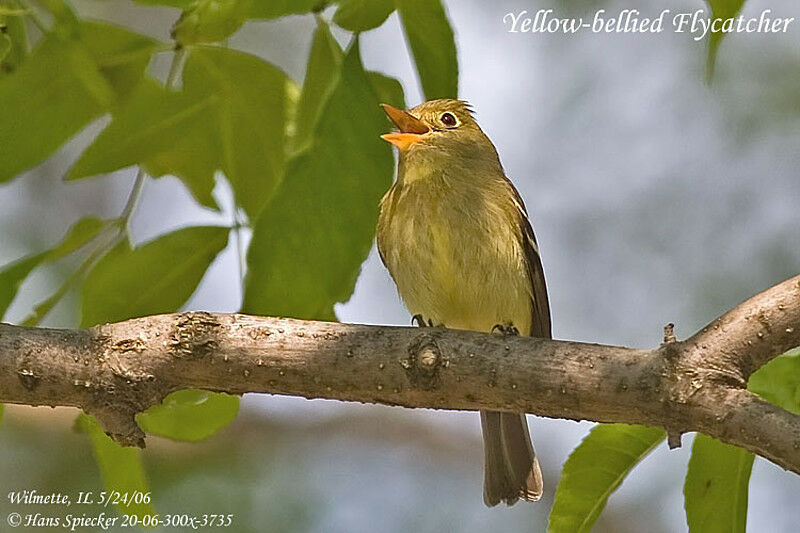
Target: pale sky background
x,y
654,197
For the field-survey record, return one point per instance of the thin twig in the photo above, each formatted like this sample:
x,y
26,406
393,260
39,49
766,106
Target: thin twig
x,y
141,174
240,251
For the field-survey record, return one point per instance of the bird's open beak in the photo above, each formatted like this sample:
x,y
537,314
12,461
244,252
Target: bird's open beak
x,y
412,129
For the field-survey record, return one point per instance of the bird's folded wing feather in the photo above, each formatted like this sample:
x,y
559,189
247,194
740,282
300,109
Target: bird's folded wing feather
x,y
540,307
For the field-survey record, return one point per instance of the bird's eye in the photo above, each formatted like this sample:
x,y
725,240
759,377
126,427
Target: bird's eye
x,y
449,120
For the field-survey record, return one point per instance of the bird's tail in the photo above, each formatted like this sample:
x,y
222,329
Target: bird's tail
x,y
511,471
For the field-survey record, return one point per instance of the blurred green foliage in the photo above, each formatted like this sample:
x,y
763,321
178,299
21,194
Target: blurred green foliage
x,y
722,9
13,38
115,289
594,470
431,39
121,56
189,415
229,117
210,21
778,381
70,93
11,277
718,477
177,142
716,486
301,265
322,73
362,15
120,467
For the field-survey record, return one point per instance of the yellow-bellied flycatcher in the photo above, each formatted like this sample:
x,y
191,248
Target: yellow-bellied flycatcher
x,y
455,236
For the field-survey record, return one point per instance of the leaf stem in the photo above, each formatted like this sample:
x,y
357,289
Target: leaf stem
x,y
237,233
141,174
133,198
175,66
240,251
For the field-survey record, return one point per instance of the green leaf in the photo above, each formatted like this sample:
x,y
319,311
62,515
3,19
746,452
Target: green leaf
x,y
231,116
192,159
168,132
279,8
250,119
258,9
432,43
17,37
190,415
157,277
121,467
309,242
388,89
121,55
81,233
149,120
717,482
5,46
722,9
12,11
715,491
12,276
70,92
322,75
66,21
210,21
180,4
778,381
362,15
292,100
594,470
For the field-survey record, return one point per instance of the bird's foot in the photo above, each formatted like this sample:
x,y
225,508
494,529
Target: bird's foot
x,y
505,329
419,321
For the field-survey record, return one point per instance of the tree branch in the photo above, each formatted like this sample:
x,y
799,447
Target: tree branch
x,y
114,371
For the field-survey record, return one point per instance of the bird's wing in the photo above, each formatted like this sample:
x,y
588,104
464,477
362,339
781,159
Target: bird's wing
x,y
383,218
540,307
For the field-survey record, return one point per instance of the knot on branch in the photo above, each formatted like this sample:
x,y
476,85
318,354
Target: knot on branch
x,y
26,372
114,371
28,378
117,356
423,362
194,336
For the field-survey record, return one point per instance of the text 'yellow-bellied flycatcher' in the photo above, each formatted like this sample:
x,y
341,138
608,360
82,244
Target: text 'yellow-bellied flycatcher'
x,y
455,236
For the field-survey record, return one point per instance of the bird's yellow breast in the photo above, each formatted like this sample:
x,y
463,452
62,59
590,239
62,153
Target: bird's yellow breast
x,y
454,252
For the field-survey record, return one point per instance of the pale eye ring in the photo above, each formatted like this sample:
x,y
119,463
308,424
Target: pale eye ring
x,y
449,120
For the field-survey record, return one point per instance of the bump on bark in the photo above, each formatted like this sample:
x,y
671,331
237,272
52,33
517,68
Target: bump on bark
x,y
424,362
194,336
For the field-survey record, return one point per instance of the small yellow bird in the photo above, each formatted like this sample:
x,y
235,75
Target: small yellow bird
x,y
455,236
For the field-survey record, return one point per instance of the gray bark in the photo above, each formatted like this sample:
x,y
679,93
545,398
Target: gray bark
x,y
114,371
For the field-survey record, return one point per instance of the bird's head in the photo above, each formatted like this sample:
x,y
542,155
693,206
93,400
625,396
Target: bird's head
x,y
438,128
